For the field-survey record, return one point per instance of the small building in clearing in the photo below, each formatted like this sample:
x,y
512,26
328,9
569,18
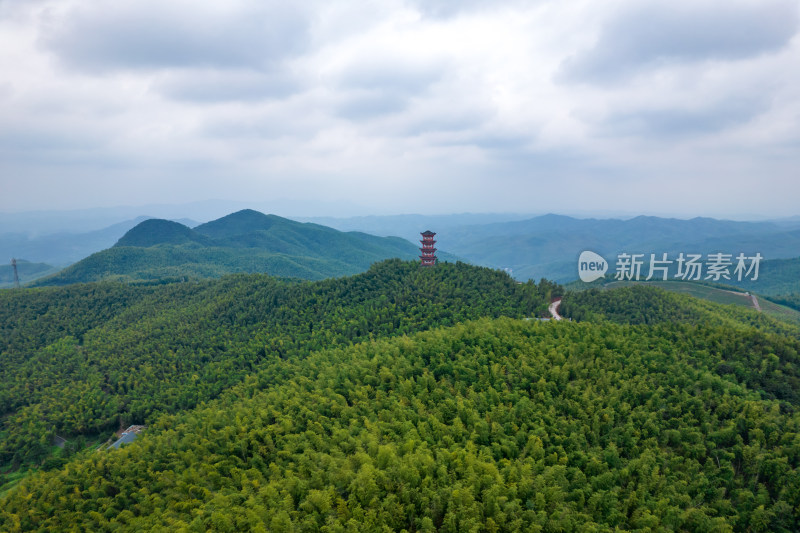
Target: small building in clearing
x,y
127,436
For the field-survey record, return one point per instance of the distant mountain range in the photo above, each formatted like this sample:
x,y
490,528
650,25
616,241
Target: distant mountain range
x,y
548,246
245,241
529,247
66,247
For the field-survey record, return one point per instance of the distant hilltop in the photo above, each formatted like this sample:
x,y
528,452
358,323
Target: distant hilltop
x,y
243,242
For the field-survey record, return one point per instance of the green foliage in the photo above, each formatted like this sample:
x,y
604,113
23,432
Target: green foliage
x,y
497,425
785,308
276,405
190,262
790,300
243,242
760,351
84,359
156,231
698,290
776,277
647,304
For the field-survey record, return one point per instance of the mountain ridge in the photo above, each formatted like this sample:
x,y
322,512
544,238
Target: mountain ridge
x,y
156,231
246,241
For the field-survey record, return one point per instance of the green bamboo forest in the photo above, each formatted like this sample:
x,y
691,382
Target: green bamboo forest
x,y
398,399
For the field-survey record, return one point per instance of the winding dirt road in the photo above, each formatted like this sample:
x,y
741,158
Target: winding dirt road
x,y
554,309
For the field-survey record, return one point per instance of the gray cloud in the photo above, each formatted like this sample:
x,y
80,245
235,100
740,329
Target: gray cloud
x,y
652,35
128,99
383,85
154,35
393,74
222,86
671,123
443,9
36,144
446,121
285,119
360,105
502,144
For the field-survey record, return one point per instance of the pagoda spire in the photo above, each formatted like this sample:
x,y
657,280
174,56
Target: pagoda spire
x,y
428,257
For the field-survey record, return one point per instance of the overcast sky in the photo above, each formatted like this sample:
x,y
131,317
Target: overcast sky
x,y
683,107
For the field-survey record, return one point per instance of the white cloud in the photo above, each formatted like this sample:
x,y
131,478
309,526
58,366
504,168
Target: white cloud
x,y
487,106
643,36
147,34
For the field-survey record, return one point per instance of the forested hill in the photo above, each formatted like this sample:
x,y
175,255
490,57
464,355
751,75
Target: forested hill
x,y
485,426
741,334
643,304
397,399
780,281
154,231
89,358
243,242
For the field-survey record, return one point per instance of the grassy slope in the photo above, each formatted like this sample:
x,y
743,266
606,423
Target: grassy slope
x,y
779,311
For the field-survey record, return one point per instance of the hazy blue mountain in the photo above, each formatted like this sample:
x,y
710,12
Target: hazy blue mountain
x,y
46,222
64,248
410,226
26,271
156,231
549,245
245,241
251,229
531,248
188,222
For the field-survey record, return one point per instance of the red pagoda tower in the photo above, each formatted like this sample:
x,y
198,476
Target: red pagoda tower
x,y
428,258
